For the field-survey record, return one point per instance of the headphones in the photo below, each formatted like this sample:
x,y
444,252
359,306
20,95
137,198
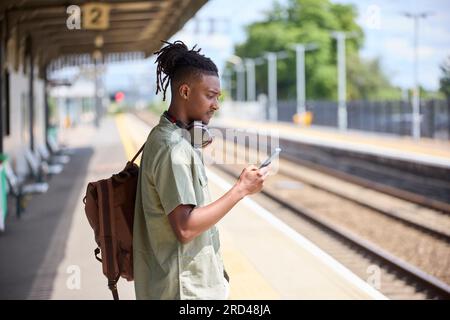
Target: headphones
x,y
199,134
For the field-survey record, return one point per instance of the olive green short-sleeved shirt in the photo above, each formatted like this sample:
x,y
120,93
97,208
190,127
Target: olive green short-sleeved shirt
x,y
172,173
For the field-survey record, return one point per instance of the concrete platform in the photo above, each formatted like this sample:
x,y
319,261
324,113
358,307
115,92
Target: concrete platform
x,y
48,253
32,247
109,157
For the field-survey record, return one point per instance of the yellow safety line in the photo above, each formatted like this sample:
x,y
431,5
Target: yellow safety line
x,y
127,142
246,283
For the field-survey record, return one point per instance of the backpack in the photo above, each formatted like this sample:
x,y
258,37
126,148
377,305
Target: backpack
x,y
109,207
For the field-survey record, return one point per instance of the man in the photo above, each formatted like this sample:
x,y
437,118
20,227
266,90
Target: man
x,y
175,241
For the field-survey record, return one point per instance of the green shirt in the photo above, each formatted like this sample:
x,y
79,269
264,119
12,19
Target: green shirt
x,y
172,173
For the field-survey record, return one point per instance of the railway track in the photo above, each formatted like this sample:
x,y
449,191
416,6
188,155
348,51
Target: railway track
x,y
398,279
403,280
424,185
386,276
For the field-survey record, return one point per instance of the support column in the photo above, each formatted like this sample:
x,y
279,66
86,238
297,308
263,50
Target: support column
x,y
31,90
2,84
273,100
46,108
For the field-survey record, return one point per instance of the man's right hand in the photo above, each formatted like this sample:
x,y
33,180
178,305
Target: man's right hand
x,y
251,180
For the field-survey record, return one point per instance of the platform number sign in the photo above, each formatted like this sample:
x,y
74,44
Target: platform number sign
x,y
96,16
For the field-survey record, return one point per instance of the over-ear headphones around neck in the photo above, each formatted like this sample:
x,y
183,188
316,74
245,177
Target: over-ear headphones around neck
x,y
199,134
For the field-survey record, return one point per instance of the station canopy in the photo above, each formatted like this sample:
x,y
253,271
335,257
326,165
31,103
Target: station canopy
x,y
60,33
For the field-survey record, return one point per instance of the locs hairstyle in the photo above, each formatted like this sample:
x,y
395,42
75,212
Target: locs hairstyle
x,y
177,62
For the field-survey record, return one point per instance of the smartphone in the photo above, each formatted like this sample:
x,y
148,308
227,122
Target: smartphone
x,y
271,158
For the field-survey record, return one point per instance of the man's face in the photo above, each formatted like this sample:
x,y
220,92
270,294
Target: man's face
x,y
203,98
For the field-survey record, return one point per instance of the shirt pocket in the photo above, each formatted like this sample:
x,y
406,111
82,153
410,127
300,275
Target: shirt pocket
x,y
202,188
202,178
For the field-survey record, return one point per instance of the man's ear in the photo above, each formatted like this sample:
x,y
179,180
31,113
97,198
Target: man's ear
x,y
184,91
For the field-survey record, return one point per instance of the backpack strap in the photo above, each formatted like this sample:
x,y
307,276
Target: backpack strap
x,y
112,285
137,154
106,224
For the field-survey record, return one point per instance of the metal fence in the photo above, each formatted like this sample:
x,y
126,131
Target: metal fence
x,y
393,117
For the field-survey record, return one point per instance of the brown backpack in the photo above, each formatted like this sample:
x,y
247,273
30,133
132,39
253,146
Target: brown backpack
x,y
109,207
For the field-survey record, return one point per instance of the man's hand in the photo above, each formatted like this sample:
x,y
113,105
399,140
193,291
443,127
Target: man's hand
x,y
188,222
251,180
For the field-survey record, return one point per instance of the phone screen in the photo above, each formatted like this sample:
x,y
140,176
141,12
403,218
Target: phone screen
x,y
271,158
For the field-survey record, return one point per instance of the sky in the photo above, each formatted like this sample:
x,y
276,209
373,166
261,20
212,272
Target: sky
x,y
388,36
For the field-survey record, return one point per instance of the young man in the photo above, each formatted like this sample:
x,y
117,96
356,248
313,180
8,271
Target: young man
x,y
175,241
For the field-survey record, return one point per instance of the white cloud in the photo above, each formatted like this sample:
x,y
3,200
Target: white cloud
x,y
393,40
402,47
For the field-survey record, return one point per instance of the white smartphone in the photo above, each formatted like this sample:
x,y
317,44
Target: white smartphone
x,y
271,158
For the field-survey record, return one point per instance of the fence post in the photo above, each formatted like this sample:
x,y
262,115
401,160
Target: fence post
x,y
448,117
389,117
431,122
373,116
406,130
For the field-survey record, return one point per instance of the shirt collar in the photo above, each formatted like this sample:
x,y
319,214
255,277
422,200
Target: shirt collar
x,y
166,122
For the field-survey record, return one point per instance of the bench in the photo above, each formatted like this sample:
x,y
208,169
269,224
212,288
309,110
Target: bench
x,y
40,169
52,159
18,188
55,149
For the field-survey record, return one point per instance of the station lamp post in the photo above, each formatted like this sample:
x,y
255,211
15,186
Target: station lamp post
x,y
240,75
340,37
300,49
416,92
250,64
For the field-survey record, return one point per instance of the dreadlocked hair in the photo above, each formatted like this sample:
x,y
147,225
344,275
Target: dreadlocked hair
x,y
175,60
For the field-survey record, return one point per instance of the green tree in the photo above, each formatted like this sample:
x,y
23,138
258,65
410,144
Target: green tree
x,y
311,21
444,82
367,82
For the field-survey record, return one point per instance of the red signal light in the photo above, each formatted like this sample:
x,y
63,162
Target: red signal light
x,y
119,96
